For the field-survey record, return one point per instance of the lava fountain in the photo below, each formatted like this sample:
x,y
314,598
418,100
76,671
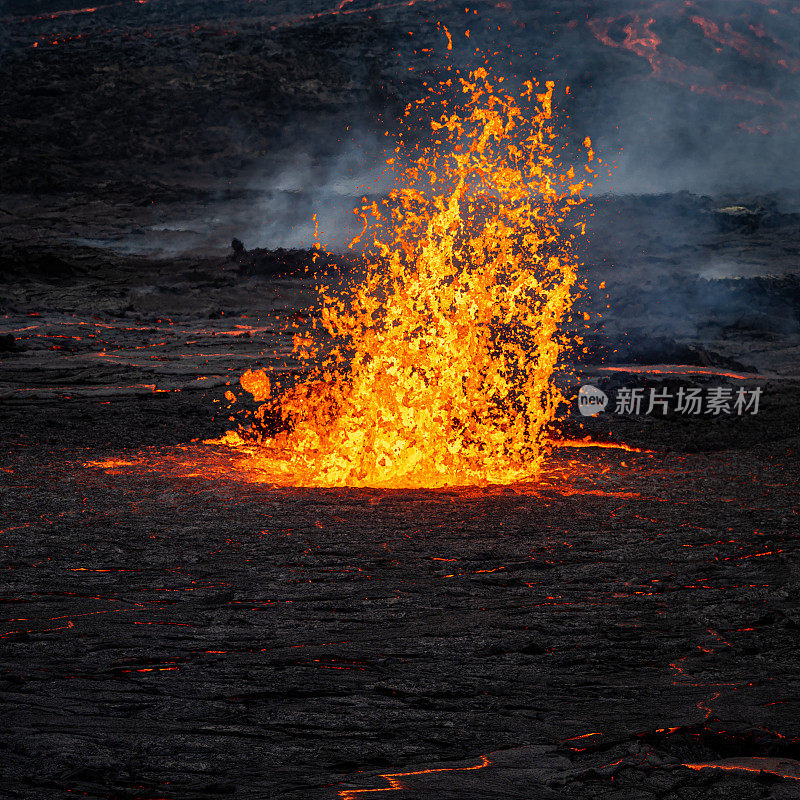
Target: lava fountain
x,y
438,368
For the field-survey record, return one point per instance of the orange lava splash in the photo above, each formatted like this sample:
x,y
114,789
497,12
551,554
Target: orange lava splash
x,y
439,367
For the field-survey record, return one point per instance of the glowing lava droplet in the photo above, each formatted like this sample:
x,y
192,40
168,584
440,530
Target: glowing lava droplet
x,y
442,359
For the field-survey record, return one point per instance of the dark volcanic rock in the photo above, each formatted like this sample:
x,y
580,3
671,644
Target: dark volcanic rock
x,y
261,261
9,345
195,635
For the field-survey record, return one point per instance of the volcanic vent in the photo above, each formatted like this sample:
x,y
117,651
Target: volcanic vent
x,y
439,366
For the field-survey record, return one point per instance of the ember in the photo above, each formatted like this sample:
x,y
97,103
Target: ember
x,y
442,360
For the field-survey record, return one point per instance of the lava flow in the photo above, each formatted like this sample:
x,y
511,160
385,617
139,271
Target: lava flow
x,y
439,369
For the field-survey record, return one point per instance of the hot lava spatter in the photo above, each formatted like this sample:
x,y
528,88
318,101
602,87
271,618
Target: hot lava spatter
x,y
440,366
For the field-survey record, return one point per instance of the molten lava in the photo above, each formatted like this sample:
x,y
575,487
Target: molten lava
x,y
439,368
